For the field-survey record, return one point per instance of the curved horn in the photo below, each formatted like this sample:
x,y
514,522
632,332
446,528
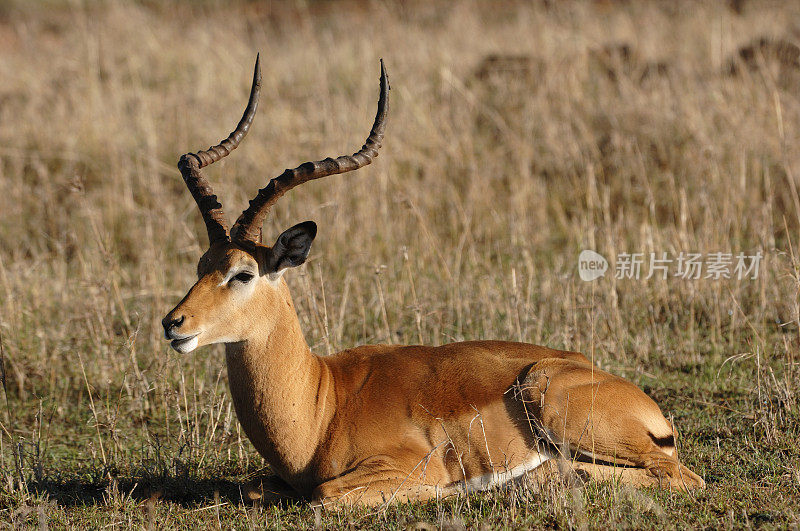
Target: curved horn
x,y
248,227
190,164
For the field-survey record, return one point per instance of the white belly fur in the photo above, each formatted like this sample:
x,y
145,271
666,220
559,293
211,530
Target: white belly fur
x,y
491,479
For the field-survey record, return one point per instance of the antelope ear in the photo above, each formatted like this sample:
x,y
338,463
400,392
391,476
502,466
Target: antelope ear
x,y
291,248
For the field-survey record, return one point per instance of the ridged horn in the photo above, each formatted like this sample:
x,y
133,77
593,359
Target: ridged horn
x,y
248,227
190,164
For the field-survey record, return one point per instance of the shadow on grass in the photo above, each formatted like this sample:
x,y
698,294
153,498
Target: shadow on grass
x,y
187,492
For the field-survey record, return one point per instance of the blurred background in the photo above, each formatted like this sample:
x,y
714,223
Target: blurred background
x,y
520,133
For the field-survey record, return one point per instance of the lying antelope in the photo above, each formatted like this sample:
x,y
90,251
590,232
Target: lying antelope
x,y
384,423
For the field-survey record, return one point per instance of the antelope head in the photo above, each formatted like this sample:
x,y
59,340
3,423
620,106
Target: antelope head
x,y
240,288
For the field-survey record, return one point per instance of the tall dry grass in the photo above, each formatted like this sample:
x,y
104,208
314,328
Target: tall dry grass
x,y
467,226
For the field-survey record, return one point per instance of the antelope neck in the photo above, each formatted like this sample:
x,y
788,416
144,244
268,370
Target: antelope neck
x,y
282,392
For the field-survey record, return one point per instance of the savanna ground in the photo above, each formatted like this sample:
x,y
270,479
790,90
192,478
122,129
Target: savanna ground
x,y
467,226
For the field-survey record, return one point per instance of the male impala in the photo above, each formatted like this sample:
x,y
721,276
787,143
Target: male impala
x,y
384,423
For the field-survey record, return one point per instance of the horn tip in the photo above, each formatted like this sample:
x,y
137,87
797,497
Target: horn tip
x,y
384,76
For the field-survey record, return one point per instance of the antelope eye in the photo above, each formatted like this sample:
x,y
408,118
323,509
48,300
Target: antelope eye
x,y
244,277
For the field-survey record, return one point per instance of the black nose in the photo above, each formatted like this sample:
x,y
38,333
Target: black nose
x,y
172,322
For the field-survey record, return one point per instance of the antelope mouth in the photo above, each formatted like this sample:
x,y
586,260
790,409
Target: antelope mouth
x,y
185,344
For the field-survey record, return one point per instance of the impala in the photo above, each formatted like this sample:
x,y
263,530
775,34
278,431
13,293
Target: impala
x,y
384,423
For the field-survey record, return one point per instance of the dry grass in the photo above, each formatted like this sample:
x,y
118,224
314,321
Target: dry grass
x,y
468,226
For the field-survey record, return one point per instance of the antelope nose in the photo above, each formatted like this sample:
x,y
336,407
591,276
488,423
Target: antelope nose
x,y
170,322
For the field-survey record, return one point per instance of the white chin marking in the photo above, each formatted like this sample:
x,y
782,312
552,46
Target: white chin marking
x,y
184,346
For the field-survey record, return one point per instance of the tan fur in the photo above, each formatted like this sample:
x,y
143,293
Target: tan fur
x,y
387,423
